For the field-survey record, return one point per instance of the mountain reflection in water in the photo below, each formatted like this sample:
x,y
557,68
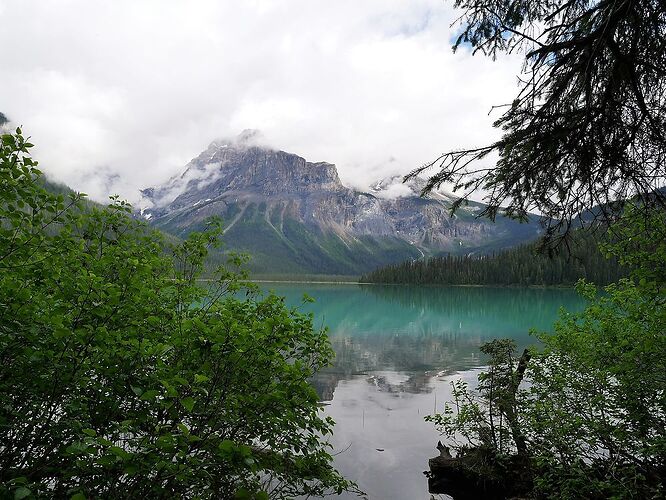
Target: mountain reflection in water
x,y
423,331
397,350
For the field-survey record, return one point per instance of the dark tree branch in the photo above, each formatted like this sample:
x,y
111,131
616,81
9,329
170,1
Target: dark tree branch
x,y
588,126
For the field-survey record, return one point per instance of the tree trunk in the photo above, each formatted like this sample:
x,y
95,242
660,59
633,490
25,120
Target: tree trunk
x,y
510,409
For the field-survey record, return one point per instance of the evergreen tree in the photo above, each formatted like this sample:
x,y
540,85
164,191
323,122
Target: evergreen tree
x,y
524,265
588,126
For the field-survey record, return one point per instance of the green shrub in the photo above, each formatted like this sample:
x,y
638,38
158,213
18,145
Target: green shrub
x,y
593,409
120,377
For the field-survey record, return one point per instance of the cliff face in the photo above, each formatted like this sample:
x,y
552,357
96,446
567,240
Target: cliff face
x,y
294,216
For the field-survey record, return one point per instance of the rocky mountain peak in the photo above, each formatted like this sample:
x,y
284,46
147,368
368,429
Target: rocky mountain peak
x,y
296,216
246,167
246,139
251,137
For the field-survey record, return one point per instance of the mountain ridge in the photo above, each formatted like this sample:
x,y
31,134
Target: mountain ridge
x,y
296,216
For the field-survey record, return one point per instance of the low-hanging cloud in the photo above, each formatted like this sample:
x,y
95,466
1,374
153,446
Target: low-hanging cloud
x,y
120,95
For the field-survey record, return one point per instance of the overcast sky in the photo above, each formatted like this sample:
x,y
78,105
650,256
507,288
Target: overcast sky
x,y
120,95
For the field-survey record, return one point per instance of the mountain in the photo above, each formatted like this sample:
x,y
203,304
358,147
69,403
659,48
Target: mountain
x,y
294,216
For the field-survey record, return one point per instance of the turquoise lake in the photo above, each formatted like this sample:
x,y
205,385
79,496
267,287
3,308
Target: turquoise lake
x,y
397,350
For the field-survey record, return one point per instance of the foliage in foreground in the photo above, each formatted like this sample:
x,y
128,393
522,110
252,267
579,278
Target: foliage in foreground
x,y
120,377
593,411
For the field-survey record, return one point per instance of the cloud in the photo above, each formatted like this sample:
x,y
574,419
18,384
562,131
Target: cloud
x,y
120,95
394,191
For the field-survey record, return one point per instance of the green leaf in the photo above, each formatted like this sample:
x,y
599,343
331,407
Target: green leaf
x,y
149,395
130,469
21,493
119,452
243,494
227,446
188,403
165,441
171,391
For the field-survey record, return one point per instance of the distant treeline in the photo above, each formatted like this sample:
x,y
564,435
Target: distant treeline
x,y
522,265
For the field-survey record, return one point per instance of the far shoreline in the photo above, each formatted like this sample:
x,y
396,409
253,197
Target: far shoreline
x,y
322,281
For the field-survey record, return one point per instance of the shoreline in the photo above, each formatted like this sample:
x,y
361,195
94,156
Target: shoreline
x,y
424,285
347,282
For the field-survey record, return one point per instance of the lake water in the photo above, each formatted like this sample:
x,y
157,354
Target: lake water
x,y
397,350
